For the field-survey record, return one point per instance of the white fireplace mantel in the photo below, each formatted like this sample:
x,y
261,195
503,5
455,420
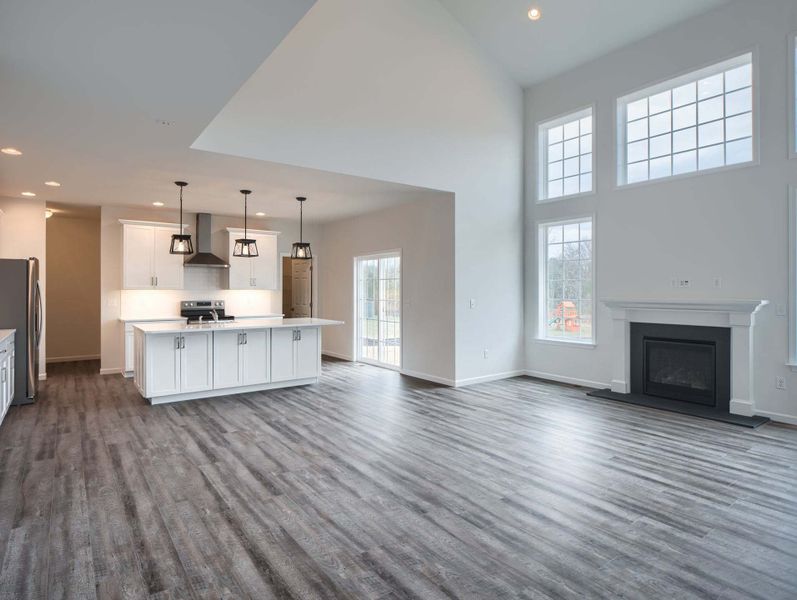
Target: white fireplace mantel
x,y
738,315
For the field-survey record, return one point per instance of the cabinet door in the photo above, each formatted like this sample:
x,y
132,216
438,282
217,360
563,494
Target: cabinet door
x,y
282,354
255,356
307,353
129,349
240,271
137,262
168,268
5,389
163,364
226,359
264,267
196,362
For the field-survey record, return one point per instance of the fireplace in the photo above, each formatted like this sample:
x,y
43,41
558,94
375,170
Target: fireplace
x,y
681,362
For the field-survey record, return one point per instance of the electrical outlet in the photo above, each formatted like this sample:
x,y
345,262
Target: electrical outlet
x,y
780,382
684,283
486,353
473,302
717,283
780,310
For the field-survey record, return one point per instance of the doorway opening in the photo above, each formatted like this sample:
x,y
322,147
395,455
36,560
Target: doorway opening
x,y
297,287
378,337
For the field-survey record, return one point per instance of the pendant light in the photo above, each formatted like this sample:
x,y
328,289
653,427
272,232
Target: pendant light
x,y
301,249
245,247
181,242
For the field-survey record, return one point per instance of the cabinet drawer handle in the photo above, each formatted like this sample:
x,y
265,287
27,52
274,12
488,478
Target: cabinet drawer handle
x,y
246,341
3,375
177,343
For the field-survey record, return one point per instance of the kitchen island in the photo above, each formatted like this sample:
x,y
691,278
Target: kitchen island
x,y
176,361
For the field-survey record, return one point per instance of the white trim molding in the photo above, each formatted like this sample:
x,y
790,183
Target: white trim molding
x,y
737,315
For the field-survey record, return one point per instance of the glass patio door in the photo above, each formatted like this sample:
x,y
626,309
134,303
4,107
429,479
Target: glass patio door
x,y
379,309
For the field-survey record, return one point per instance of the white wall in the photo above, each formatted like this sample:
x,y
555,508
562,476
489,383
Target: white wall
x,y
23,233
398,91
730,224
199,283
424,233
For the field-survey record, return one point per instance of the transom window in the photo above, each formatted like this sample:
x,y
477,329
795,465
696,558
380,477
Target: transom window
x,y
703,120
565,156
567,281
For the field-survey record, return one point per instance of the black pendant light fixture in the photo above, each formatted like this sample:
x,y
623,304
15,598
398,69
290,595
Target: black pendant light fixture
x,y
301,249
245,247
181,242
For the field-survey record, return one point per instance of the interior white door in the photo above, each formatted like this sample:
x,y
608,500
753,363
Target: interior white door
x,y
282,354
264,267
196,360
137,263
163,364
307,353
255,356
168,269
226,358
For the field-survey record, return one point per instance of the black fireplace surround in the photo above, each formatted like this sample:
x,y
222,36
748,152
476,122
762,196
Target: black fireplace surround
x,y
687,363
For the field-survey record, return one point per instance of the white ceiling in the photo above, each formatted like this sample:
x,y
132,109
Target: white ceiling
x,y
83,86
570,32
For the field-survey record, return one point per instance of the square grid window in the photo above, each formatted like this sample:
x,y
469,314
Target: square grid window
x,y
565,152
567,281
697,122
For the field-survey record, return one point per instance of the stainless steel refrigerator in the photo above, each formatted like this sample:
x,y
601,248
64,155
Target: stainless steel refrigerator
x,y
21,309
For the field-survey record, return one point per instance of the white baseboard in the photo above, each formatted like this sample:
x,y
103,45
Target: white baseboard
x,y
428,377
42,376
488,378
779,417
62,359
741,407
110,371
337,355
565,379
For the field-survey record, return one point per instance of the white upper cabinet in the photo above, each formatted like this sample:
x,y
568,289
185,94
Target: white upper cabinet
x,y
260,272
146,262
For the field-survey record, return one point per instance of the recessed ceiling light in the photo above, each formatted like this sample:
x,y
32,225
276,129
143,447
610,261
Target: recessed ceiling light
x,y
48,213
260,214
157,204
28,194
52,183
535,14
11,151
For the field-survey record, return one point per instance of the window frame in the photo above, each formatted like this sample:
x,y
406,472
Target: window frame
x,y
792,94
542,282
792,262
541,129
395,252
670,83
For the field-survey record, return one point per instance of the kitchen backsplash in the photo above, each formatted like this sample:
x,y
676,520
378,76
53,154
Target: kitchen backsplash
x,y
145,304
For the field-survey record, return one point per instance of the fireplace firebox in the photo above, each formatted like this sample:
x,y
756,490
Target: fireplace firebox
x,y
682,362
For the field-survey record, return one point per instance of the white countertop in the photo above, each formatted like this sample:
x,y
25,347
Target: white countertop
x,y
4,333
179,318
247,323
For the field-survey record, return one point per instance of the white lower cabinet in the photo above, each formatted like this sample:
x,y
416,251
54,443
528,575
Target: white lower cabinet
x,y
130,357
294,354
240,358
6,375
179,363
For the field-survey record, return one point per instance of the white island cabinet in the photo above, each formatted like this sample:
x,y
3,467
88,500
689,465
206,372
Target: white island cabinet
x,y
176,361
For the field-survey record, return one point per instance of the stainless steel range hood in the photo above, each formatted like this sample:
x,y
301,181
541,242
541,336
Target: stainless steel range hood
x,y
204,257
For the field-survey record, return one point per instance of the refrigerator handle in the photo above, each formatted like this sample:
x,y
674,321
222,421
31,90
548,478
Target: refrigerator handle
x,y
39,314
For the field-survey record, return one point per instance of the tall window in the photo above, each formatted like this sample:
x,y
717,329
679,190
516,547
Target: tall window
x,y
700,121
793,86
565,156
567,281
379,309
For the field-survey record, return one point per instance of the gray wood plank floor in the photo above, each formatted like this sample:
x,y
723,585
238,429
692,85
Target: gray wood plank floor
x,y
371,485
